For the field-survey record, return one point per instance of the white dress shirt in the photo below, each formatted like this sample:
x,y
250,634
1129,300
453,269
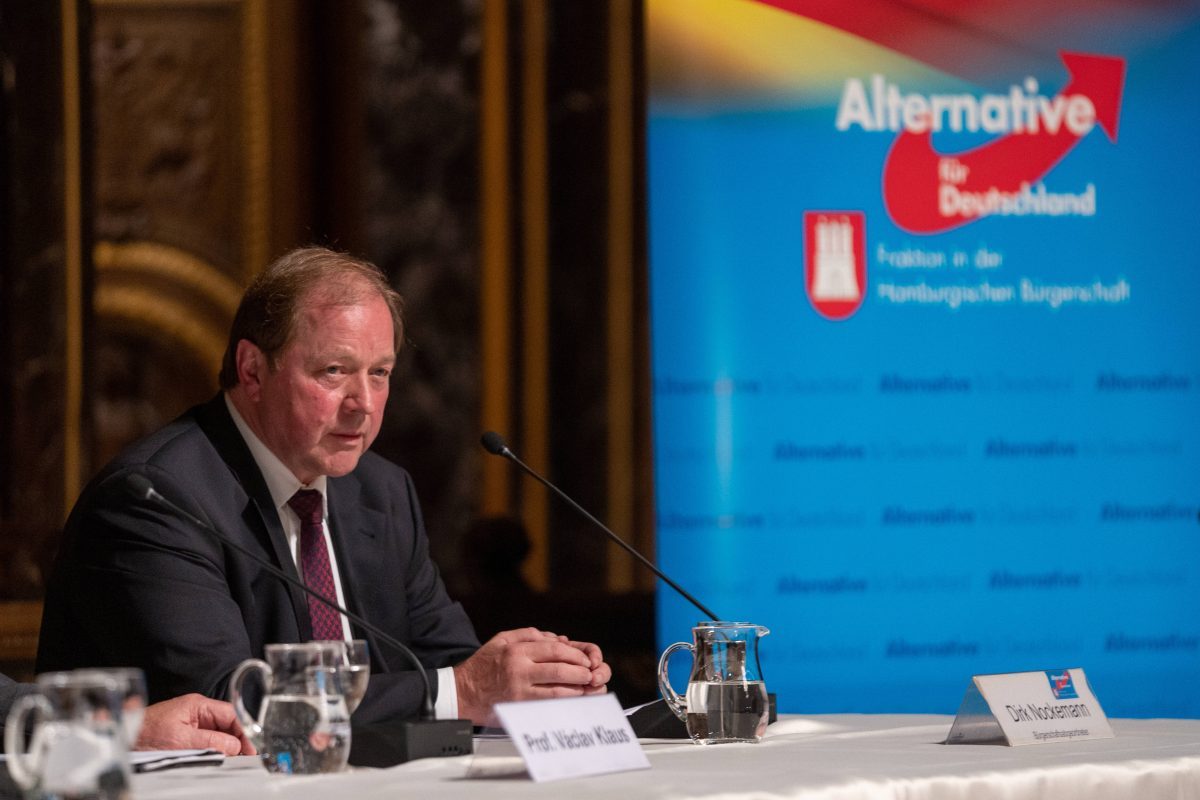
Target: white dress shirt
x,y
283,484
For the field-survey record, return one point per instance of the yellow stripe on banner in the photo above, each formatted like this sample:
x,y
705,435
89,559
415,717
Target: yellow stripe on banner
x,y
737,54
73,256
535,288
495,317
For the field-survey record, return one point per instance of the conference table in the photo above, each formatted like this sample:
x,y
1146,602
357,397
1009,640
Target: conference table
x,y
828,757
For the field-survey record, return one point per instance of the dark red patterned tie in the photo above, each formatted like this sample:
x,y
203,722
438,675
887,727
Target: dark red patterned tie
x,y
314,564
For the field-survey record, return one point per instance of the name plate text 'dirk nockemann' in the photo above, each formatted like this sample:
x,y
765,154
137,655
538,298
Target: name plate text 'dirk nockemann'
x,y
1020,708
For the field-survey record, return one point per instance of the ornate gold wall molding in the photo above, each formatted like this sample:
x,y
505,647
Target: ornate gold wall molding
x,y
192,101
535,284
150,313
622,408
495,253
191,273
73,236
184,126
561,273
163,291
257,124
522,337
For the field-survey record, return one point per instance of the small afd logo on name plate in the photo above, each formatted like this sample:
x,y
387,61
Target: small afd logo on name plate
x,y
835,268
1062,685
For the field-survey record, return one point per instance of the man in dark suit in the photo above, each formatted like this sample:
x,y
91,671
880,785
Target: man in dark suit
x,y
279,462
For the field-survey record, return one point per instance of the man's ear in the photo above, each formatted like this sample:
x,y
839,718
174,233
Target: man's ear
x,y
251,368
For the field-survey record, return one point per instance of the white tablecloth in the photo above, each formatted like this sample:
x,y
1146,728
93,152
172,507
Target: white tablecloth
x,y
836,757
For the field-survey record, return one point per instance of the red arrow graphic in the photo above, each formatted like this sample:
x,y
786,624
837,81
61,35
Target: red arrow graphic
x,y
914,173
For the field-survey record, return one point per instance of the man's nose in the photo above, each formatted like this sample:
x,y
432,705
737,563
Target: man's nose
x,y
359,396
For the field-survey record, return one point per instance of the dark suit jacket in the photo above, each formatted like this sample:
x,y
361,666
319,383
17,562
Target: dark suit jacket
x,y
137,586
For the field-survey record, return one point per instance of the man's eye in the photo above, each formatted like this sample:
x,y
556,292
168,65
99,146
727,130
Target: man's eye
x,y
383,373
333,369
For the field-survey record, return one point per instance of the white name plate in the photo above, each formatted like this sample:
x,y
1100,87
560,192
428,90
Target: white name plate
x,y
1029,708
572,737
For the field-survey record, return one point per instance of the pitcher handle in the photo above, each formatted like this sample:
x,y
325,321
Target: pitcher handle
x,y
23,766
672,698
252,727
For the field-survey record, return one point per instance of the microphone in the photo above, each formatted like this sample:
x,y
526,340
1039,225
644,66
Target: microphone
x,y
494,444
385,745
652,720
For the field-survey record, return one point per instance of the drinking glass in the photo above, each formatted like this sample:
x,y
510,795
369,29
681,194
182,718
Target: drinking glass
x,y
352,661
77,746
131,685
354,671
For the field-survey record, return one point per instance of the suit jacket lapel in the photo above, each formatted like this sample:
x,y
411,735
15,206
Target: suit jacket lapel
x,y
353,532
259,514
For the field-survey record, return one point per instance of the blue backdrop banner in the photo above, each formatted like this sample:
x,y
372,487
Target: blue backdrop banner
x,y
926,347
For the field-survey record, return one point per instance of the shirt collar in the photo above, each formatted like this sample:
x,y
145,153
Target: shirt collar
x,y
280,481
